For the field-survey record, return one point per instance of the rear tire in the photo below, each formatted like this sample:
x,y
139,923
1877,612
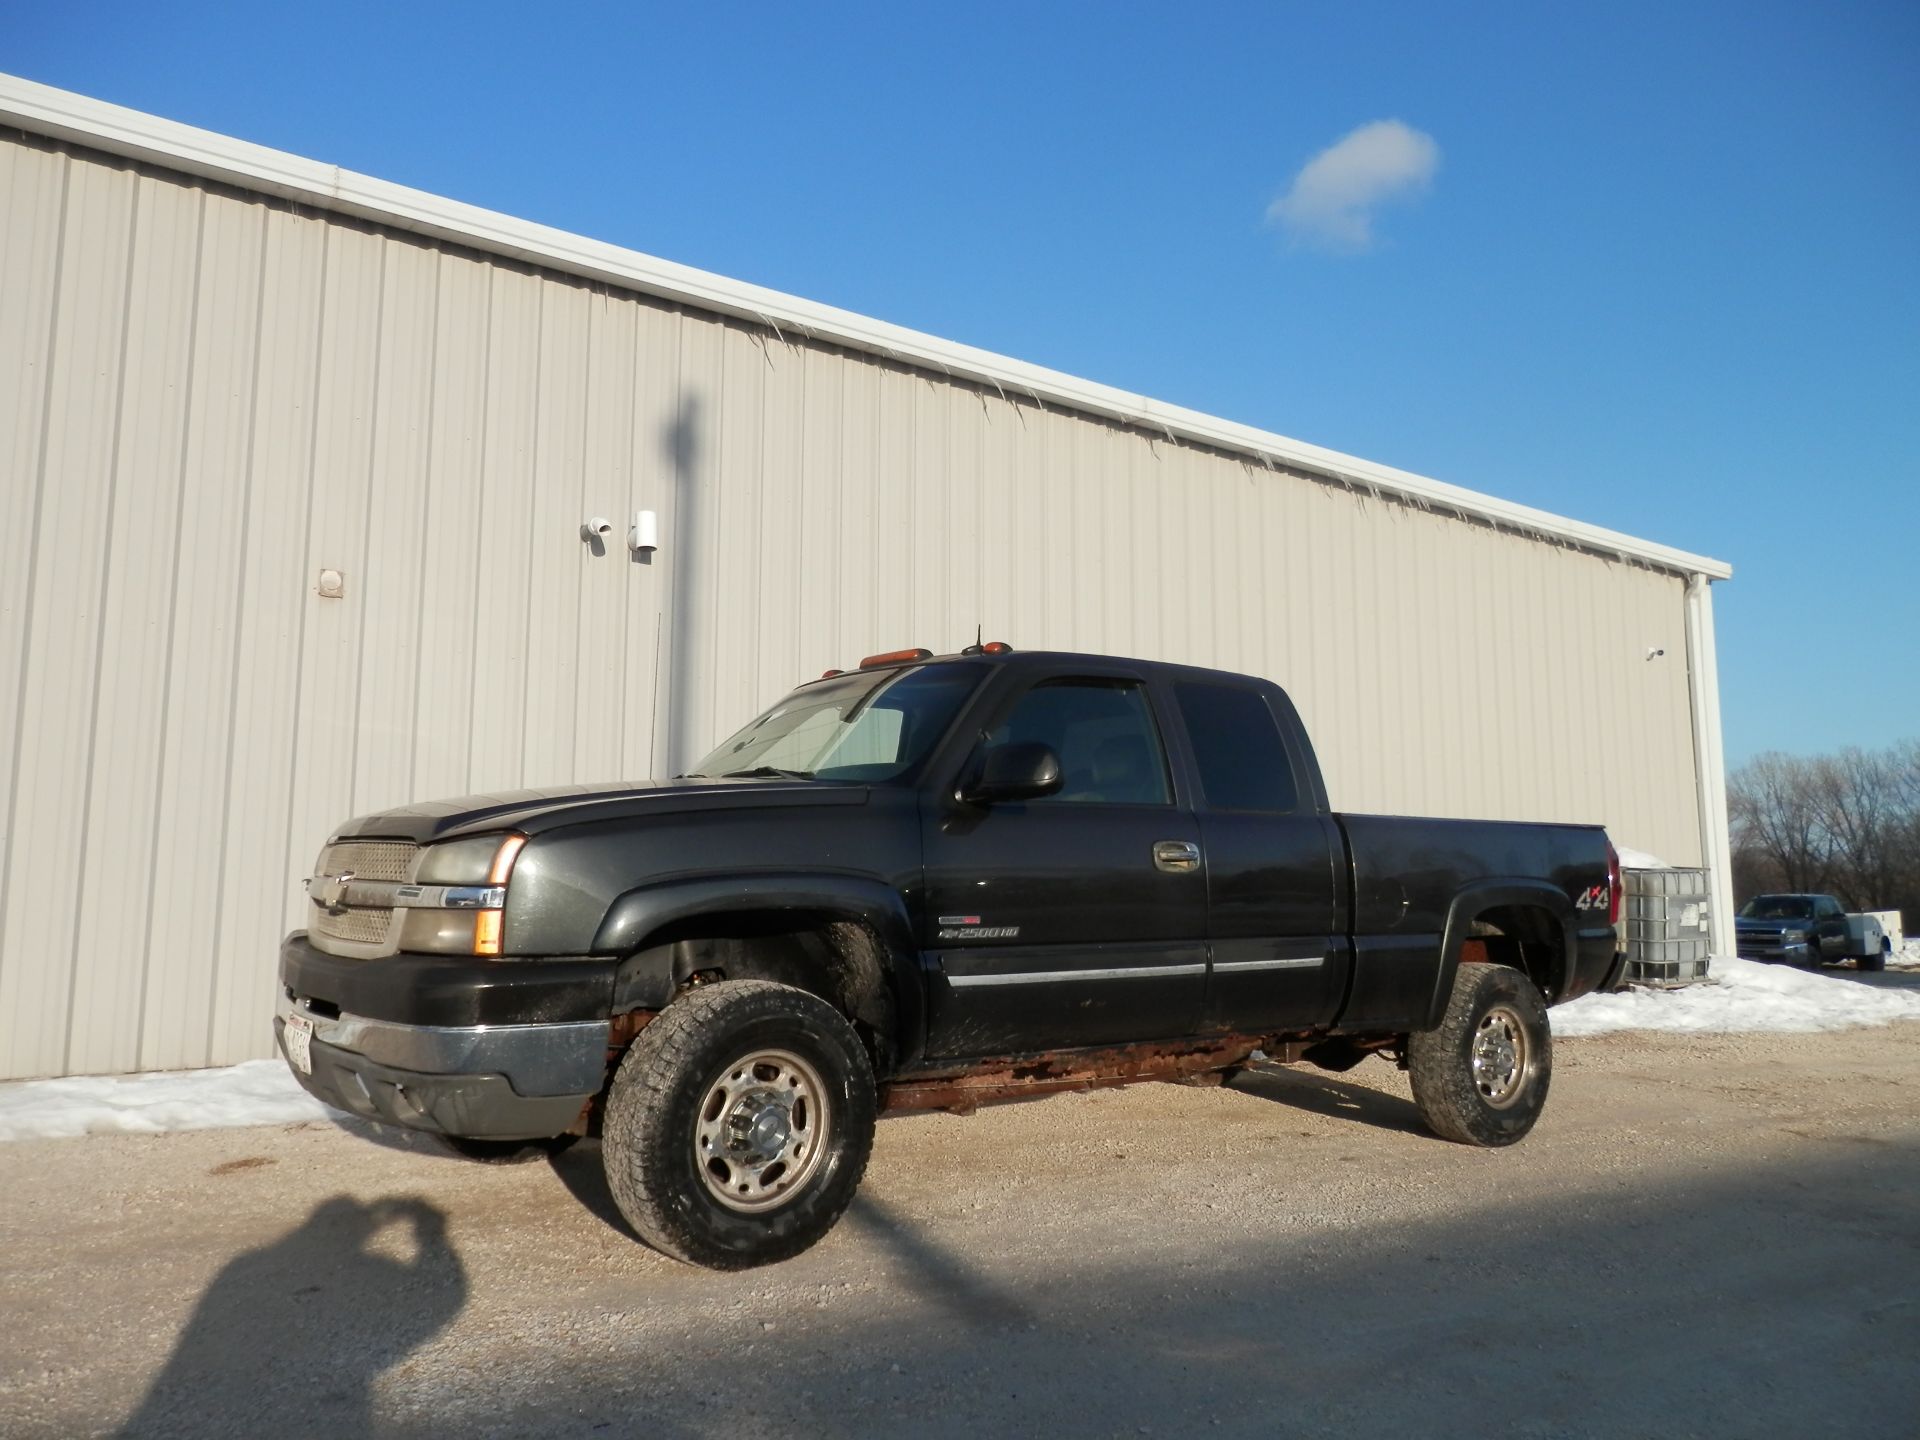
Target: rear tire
x,y
738,1124
1877,960
1481,1076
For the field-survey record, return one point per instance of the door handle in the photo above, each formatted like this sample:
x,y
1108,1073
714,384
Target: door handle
x,y
1176,855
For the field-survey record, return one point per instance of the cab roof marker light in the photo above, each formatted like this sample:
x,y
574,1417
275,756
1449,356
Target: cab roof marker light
x,y
896,657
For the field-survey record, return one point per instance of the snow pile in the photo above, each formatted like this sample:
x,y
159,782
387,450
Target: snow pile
x,y
1631,859
1740,995
257,1092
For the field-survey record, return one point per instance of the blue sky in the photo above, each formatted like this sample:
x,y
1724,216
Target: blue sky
x,y
1664,275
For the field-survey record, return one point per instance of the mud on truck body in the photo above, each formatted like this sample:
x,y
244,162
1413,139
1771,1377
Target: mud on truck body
x,y
925,883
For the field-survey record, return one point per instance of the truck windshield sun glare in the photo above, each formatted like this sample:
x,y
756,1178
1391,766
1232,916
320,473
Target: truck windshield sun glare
x,y
864,727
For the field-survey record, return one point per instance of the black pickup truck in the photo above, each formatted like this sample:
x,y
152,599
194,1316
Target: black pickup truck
x,y
926,883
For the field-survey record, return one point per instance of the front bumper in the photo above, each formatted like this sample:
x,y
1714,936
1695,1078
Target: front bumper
x,y
1771,948
525,1071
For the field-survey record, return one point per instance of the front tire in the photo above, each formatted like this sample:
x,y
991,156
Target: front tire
x,y
1481,1076
738,1124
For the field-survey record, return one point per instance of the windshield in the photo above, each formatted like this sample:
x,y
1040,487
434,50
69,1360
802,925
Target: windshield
x,y
869,728
1777,907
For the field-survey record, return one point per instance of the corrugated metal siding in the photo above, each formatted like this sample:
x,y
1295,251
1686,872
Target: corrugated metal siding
x,y
206,398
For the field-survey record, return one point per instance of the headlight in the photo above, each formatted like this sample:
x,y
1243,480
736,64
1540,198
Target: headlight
x,y
459,862
1793,937
441,932
462,929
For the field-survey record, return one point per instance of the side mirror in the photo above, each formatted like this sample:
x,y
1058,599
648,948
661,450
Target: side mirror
x,y
1022,771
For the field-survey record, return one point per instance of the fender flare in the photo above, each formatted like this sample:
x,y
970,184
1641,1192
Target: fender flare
x,y
1493,894
647,977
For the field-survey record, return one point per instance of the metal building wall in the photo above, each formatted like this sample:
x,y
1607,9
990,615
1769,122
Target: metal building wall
x,y
207,396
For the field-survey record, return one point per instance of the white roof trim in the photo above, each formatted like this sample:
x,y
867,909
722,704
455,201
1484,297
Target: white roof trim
x,y
62,115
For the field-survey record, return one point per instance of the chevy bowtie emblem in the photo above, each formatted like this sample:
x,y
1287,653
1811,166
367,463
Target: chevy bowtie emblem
x,y
331,890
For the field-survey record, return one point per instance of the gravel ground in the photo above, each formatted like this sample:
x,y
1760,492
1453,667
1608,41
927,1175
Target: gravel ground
x,y
1706,1236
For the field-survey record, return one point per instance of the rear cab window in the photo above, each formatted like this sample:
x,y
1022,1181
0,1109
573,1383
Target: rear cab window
x,y
1238,749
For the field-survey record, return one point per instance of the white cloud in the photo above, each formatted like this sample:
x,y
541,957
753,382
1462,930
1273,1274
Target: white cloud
x,y
1332,201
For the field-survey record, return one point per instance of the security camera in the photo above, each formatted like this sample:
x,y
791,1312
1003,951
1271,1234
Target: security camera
x,y
598,528
643,537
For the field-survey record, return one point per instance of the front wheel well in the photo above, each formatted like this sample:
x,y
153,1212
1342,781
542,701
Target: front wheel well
x,y
842,961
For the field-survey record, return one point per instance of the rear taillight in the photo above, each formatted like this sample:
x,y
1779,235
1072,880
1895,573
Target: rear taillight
x,y
1616,892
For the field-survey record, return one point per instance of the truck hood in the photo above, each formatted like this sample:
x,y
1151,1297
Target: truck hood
x,y
534,811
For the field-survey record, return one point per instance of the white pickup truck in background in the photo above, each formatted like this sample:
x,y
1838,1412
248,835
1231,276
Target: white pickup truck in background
x,y
1890,932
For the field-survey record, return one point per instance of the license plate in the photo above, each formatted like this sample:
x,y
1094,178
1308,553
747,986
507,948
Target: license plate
x,y
298,1035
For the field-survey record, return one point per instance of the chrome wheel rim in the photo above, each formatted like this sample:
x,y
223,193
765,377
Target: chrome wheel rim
x,y
762,1130
1502,1058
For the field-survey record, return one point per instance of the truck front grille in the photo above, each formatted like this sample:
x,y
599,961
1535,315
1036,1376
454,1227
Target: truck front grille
x,y
370,859
357,925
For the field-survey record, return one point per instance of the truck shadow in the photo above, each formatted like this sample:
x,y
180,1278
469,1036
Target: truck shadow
x,y
579,1169
1745,1299
1321,1094
297,1332
387,1137
935,1272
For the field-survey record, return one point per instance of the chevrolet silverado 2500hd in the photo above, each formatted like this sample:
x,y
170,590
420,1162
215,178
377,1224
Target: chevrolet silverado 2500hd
x,y
929,882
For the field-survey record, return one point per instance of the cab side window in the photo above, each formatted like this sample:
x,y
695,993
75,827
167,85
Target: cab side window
x,y
1237,747
1826,909
1103,732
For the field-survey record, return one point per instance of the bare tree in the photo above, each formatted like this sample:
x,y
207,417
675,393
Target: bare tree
x,y
1856,806
1846,823
1773,811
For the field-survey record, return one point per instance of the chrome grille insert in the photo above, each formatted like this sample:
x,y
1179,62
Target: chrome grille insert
x,y
349,875
370,859
355,925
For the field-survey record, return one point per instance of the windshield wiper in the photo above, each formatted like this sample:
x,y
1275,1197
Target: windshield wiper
x,y
762,771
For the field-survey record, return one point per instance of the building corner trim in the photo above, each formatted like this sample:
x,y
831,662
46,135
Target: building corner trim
x,y
1710,760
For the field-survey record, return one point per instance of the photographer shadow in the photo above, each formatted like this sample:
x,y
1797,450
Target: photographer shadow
x,y
289,1339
